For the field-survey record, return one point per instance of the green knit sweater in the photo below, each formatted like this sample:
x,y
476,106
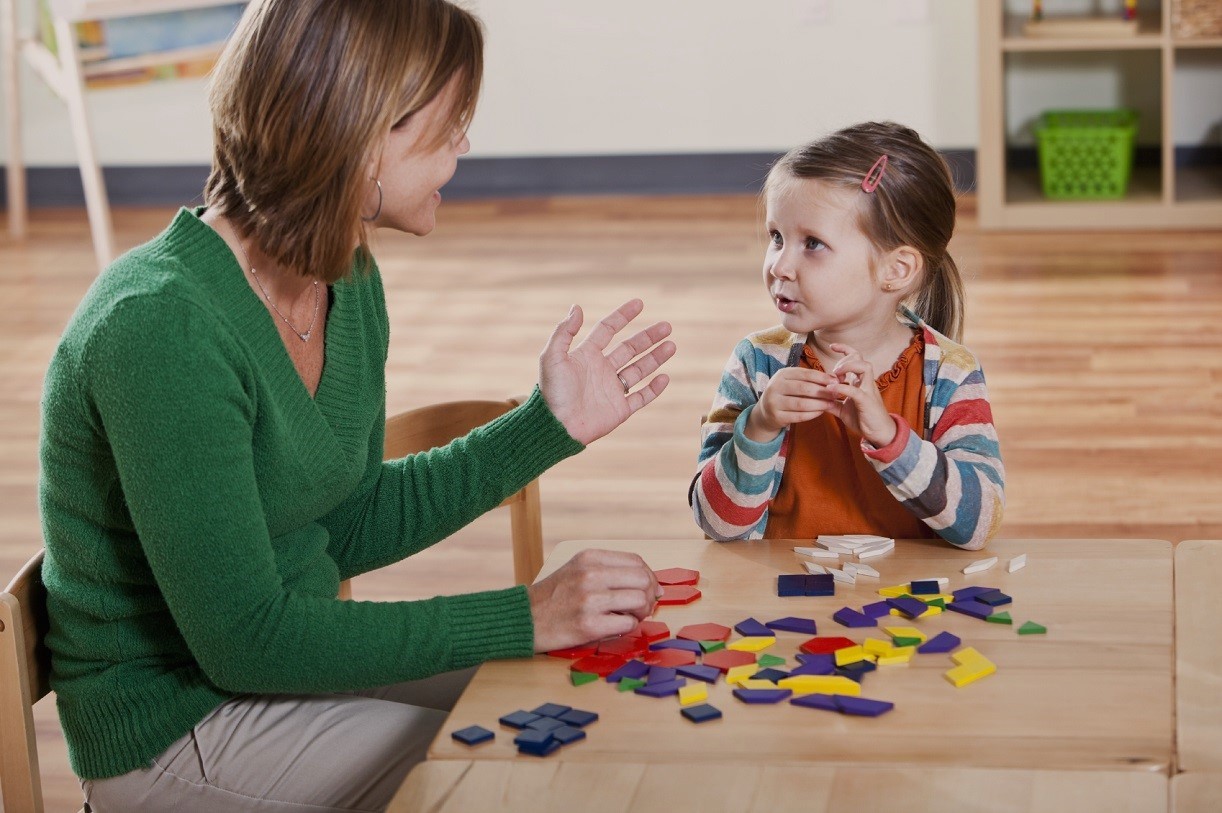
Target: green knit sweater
x,y
200,509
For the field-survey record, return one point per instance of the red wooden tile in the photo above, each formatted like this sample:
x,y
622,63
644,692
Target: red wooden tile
x,y
726,659
704,632
678,594
677,575
824,644
601,665
669,658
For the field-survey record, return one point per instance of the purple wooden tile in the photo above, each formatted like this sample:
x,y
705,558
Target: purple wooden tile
x,y
849,617
632,669
942,642
751,628
971,607
708,674
770,674
827,659
762,695
661,674
862,707
876,610
805,626
662,689
677,643
910,607
993,598
826,665
965,593
925,587
826,702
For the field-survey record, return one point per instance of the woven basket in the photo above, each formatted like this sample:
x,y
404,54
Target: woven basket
x,y
1196,18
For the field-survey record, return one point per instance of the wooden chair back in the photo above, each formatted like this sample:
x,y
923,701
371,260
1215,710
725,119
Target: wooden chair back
x,y
25,672
427,427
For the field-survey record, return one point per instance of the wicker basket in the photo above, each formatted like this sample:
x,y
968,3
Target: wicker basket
x,y
1196,18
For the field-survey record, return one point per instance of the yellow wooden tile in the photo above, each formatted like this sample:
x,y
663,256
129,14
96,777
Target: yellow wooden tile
x,y
695,693
820,684
754,644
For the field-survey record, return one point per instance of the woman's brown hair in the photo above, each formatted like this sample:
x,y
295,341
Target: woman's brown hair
x,y
301,100
913,205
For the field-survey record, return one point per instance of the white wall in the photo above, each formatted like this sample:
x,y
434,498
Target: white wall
x,y
632,76
649,76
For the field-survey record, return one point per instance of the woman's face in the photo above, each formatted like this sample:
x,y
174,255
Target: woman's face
x,y
414,167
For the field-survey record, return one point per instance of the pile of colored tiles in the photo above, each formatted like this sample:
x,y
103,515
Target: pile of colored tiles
x,y
541,731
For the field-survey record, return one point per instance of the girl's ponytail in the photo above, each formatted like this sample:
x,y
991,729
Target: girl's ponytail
x,y
939,301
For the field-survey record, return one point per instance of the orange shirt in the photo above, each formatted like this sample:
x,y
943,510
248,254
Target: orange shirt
x,y
829,486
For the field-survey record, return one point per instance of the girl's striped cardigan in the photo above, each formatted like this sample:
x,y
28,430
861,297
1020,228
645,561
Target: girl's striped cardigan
x,y
953,479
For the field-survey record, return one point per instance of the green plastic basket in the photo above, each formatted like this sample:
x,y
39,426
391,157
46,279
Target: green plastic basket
x,y
1086,154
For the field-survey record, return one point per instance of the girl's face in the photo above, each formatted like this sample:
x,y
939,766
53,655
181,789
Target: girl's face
x,y
817,267
413,168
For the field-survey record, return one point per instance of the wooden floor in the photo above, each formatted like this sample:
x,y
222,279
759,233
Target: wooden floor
x,y
1103,354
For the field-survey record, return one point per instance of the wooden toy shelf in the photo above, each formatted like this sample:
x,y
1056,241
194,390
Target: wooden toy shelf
x,y
1161,197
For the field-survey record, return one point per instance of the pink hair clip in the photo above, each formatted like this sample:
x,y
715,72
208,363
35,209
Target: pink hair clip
x,y
873,177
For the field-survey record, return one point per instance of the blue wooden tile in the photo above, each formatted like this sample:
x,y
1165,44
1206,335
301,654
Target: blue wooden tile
x,y
770,674
545,724
532,738
550,710
965,593
547,749
577,718
473,735
910,607
701,714
925,587
661,674
568,734
820,584
788,584
876,610
818,665
993,598
518,719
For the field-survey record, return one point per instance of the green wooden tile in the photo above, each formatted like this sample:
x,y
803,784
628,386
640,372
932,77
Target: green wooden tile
x,y
1032,628
582,678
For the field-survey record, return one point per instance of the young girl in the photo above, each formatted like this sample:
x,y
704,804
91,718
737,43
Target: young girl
x,y
861,412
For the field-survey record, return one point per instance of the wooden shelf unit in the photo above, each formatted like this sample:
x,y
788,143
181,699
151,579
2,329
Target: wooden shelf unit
x,y
1166,197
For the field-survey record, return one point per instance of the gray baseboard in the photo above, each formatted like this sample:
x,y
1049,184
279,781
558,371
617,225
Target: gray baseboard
x,y
483,178
477,178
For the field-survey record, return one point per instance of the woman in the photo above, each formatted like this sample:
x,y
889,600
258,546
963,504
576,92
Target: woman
x,y
208,480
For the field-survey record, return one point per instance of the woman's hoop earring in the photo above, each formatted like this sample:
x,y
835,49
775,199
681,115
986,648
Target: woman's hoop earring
x,y
380,198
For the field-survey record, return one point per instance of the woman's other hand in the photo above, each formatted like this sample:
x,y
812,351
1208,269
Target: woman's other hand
x,y
586,387
596,594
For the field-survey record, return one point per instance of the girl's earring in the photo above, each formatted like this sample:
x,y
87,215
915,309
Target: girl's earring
x,y
887,287
380,199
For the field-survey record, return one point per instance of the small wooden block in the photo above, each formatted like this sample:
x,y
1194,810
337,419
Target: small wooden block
x,y
824,702
582,678
924,588
651,631
972,607
676,643
712,646
893,592
1032,628
578,718
756,683
669,657
699,672
662,689
814,569
863,707
678,594
803,626
755,644
704,632
631,684
770,674
1000,618
762,695
822,684
601,665
518,719
737,674
694,693
980,565
473,735
848,617
748,627
677,575
726,659
850,654
551,710
905,632
942,642
631,670
568,734
822,645
1017,563
767,660
701,714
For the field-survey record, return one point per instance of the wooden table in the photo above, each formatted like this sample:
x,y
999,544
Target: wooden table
x,y
1199,792
1094,693
553,786
1198,655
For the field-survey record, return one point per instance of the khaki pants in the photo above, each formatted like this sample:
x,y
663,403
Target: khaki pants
x,y
299,753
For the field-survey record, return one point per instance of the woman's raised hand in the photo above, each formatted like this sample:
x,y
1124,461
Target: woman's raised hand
x,y
588,388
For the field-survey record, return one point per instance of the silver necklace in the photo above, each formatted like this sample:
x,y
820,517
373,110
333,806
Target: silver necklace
x,y
305,337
